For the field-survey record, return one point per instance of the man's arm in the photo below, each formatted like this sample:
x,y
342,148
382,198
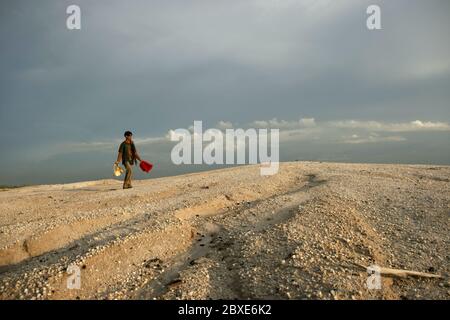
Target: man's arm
x,y
119,157
136,155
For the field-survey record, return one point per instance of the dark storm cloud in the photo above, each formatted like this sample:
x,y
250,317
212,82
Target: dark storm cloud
x,y
151,66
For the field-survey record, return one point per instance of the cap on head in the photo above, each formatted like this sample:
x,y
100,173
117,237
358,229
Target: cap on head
x,y
127,134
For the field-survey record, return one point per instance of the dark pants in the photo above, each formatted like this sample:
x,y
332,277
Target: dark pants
x,y
128,175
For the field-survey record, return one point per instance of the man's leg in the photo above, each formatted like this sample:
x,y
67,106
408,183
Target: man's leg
x,y
128,176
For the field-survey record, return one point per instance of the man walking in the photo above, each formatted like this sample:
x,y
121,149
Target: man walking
x,y
128,155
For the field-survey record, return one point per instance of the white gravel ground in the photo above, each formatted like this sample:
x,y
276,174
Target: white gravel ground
x,y
305,233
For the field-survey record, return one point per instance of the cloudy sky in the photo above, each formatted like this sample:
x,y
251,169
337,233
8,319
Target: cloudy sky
x,y
336,90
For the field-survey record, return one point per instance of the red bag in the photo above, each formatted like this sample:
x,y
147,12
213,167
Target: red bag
x,y
145,166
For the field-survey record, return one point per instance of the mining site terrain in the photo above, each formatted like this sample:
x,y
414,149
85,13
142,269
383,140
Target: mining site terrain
x,y
308,232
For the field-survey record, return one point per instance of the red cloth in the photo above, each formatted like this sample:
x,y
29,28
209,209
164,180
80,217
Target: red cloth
x,y
145,166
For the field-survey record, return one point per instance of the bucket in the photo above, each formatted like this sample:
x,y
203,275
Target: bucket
x,y
145,166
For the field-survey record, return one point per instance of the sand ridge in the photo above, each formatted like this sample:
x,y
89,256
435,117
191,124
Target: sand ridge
x,y
231,233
